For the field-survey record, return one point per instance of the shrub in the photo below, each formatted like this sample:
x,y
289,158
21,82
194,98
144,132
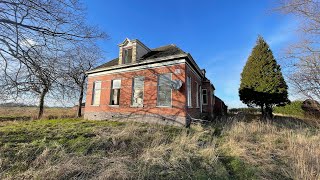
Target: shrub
x,y
292,109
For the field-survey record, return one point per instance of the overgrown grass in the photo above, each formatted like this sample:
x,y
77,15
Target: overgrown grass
x,y
73,148
234,148
272,150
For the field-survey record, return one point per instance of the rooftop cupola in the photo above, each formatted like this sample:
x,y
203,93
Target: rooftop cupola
x,y
130,51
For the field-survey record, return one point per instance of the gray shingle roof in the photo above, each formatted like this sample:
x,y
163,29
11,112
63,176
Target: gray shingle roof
x,y
113,62
160,52
163,51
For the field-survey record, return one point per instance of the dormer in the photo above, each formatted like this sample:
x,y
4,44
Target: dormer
x,y
130,51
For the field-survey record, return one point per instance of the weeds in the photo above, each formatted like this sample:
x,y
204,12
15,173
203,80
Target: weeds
x,y
228,149
73,148
276,152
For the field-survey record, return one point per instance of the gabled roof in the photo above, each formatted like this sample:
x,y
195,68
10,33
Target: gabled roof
x,y
160,52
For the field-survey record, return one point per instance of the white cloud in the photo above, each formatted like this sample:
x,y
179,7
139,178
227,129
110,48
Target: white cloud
x,y
28,43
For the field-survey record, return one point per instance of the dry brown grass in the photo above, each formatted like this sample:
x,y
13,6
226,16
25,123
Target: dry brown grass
x,y
234,148
77,149
278,151
24,113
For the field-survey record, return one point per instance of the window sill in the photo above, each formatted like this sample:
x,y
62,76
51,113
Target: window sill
x,y
164,106
136,106
95,105
113,105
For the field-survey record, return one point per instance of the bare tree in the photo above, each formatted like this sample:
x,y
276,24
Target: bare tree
x,y
33,34
41,75
78,61
305,55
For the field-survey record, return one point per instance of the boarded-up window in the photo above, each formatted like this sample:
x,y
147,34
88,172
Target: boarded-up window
x,y
137,91
164,90
189,90
204,96
115,92
127,56
96,91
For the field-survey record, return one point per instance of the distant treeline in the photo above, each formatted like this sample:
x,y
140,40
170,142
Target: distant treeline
x,y
12,104
244,110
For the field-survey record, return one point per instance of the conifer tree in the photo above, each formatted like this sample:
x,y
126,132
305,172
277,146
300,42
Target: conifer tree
x,y
262,83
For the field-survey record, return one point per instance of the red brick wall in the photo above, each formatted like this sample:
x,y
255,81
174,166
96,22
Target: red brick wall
x,y
150,92
209,107
193,111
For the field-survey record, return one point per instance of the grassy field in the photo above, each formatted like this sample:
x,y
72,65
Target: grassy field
x,y
234,148
25,113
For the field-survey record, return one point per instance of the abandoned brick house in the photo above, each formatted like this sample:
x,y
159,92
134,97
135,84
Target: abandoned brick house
x,y
162,85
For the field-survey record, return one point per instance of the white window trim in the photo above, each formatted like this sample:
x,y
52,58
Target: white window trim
x,y
197,95
189,99
157,105
206,96
93,93
115,105
125,51
132,94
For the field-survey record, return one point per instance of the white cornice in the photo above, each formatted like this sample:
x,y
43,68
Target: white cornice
x,y
126,40
150,62
138,68
124,66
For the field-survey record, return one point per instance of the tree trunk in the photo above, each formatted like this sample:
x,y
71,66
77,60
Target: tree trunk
x,y
80,102
269,112
81,96
41,102
263,113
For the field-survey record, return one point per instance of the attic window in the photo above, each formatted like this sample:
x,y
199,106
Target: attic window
x,y
127,56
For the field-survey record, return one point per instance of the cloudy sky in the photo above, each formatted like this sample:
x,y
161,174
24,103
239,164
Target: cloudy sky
x,y
219,34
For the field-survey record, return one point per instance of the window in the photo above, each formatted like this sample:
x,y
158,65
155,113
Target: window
x,y
127,56
137,91
189,90
115,92
96,93
204,96
164,90
197,94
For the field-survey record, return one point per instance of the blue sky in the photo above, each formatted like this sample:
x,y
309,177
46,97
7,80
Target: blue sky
x,y
218,34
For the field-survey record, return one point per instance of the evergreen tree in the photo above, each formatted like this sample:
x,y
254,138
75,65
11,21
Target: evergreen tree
x,y
262,83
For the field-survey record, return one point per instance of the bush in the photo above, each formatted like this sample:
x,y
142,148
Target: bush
x,y
292,109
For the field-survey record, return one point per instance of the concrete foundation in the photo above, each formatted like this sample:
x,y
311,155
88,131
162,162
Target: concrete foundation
x,y
147,118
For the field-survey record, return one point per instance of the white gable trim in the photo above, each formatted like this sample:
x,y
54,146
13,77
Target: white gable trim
x,y
127,40
138,68
124,66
